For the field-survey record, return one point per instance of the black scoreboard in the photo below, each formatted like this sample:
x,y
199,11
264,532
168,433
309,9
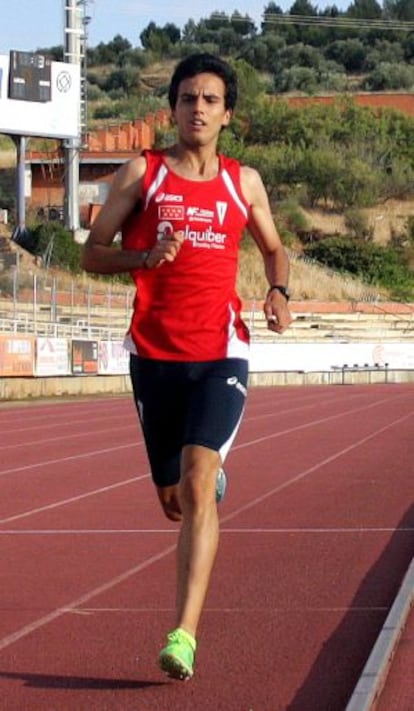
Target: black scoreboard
x,y
29,77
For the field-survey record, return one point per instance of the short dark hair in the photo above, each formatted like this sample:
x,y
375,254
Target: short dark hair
x,y
199,64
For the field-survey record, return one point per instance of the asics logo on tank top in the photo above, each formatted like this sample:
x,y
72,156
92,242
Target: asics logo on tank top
x,y
168,197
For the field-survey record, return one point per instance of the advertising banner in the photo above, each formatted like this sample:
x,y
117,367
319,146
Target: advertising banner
x,y
84,357
16,356
315,357
113,358
52,356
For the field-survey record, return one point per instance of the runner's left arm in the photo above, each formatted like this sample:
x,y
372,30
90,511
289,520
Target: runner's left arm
x,y
276,263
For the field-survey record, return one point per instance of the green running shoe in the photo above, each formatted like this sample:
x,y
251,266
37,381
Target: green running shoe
x,y
177,658
221,485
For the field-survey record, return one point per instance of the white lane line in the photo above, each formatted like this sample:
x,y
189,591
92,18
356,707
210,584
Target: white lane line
x,y
249,505
58,612
60,419
242,445
306,425
237,610
316,403
237,446
310,470
238,531
72,499
66,437
84,455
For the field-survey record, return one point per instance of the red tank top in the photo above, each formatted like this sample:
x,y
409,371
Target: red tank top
x,y
189,310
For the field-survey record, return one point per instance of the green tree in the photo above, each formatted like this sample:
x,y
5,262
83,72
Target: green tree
x,y
364,9
217,21
159,39
399,10
303,7
304,79
242,24
388,76
250,88
126,80
351,53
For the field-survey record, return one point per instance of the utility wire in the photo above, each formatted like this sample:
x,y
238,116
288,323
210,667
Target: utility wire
x,y
341,21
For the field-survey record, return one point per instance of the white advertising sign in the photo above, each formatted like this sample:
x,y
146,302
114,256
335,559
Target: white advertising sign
x,y
113,359
57,118
52,356
315,357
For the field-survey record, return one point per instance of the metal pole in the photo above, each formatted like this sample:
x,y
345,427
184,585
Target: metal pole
x,y
72,299
15,292
35,302
20,229
72,145
21,202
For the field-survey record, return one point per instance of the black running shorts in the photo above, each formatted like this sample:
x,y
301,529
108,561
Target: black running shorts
x,y
183,403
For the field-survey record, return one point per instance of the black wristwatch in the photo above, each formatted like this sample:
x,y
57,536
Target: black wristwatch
x,y
283,290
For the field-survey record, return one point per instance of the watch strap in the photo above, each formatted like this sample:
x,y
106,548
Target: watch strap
x,y
279,287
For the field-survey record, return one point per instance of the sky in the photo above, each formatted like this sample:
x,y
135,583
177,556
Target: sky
x,y
27,25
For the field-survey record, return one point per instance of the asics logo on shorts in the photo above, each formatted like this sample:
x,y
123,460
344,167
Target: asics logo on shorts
x,y
233,380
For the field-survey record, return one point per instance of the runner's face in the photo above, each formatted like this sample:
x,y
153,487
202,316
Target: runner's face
x,y
200,111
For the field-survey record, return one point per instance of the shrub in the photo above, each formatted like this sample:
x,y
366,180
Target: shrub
x,y
56,244
358,225
382,266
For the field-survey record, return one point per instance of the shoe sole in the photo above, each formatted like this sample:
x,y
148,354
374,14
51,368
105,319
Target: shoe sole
x,y
175,668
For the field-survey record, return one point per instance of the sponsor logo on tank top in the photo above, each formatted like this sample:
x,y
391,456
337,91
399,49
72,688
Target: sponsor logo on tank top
x,y
207,239
164,229
171,212
168,197
221,210
199,214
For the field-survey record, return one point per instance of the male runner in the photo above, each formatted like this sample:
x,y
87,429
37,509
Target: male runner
x,y
182,212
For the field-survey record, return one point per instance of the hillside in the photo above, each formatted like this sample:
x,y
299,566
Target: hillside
x,y
308,281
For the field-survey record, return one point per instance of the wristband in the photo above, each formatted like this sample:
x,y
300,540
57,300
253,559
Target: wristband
x,y
145,254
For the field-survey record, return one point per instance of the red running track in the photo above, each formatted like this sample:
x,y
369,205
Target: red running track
x,y
317,533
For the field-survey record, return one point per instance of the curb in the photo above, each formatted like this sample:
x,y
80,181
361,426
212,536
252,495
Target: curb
x,y
374,674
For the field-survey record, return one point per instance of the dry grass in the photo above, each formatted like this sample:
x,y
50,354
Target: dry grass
x,y
307,281
7,159
391,216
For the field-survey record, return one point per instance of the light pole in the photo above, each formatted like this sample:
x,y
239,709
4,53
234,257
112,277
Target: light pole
x,y
72,55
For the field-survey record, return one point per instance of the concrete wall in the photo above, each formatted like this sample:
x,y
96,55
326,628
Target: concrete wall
x,y
15,389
